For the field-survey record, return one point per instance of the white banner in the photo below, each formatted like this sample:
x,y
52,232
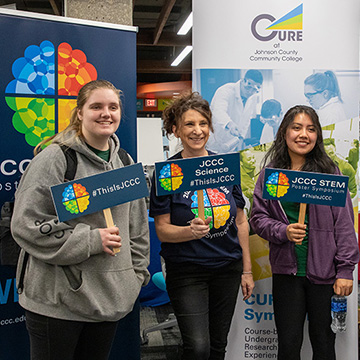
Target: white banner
x,y
292,47
234,34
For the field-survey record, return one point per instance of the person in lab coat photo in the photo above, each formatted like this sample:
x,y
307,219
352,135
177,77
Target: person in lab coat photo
x,y
233,106
323,93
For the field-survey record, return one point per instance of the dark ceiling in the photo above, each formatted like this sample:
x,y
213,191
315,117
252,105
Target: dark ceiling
x,y
157,41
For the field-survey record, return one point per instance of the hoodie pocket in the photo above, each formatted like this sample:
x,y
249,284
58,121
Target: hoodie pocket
x,y
73,276
104,296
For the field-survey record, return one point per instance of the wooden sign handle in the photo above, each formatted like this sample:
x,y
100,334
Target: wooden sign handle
x,y
200,198
302,213
109,223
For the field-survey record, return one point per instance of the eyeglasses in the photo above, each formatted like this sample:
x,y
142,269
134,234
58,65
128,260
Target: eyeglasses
x,y
310,95
250,83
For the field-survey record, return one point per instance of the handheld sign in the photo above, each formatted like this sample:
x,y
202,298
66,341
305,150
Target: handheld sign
x,y
98,192
305,188
197,173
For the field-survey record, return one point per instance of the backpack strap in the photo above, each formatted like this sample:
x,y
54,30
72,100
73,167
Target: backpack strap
x,y
71,162
124,156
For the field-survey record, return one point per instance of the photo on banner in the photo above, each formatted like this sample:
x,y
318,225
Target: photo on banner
x,y
265,107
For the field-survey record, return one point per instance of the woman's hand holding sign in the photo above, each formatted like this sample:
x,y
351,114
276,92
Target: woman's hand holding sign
x,y
200,228
110,239
296,232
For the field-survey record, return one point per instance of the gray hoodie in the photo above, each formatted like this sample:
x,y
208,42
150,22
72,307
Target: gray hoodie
x,y
68,275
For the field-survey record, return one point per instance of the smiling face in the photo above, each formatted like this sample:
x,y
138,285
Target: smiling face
x,y
100,117
300,138
193,130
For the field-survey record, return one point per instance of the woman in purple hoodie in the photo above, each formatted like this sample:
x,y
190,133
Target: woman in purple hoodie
x,y
312,261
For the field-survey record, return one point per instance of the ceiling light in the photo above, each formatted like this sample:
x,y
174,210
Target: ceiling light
x,y
182,55
187,25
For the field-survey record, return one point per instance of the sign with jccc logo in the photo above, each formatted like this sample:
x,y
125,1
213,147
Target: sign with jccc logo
x,y
94,193
197,173
305,187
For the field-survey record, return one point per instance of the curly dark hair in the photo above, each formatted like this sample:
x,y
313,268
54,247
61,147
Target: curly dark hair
x,y
316,160
173,113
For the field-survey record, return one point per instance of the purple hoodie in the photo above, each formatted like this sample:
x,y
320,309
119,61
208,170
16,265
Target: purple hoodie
x,y
333,250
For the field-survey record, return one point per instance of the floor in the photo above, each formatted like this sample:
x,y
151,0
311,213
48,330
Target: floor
x,y
162,344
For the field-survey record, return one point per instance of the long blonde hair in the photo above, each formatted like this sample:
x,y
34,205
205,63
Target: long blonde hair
x,y
75,123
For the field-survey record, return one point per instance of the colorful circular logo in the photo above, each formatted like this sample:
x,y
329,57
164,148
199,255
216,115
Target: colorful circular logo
x,y
277,184
170,177
75,198
43,92
215,205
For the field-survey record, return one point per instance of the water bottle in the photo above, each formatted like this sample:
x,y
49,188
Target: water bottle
x,y
338,313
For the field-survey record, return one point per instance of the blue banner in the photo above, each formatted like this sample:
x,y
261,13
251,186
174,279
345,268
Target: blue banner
x,y
43,63
94,193
197,173
305,187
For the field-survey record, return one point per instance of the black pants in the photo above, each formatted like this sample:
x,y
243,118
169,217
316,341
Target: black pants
x,y
294,297
204,302
56,339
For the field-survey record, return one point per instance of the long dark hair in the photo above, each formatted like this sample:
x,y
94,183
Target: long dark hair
x,y
316,160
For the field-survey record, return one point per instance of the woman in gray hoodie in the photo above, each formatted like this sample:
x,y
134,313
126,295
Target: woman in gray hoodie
x,y
75,290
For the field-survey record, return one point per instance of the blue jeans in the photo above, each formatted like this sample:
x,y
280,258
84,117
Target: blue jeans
x,y
56,339
294,297
204,301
